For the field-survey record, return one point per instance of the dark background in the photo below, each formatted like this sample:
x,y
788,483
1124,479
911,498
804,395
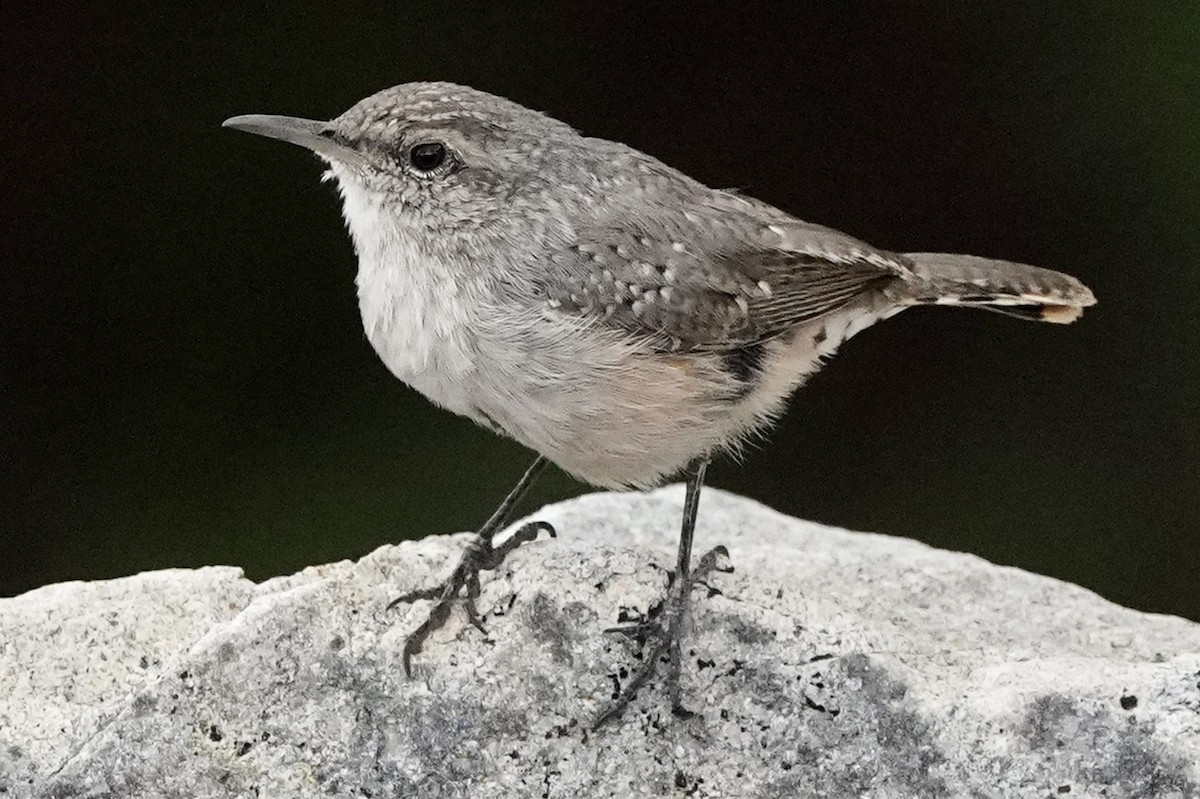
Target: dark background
x,y
183,375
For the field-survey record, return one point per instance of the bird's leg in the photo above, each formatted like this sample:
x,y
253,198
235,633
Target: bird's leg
x,y
480,555
666,633
677,604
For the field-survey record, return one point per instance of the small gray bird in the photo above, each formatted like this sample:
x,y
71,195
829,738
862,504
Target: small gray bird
x,y
605,310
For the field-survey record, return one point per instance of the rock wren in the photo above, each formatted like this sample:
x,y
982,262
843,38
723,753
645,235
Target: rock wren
x,y
610,313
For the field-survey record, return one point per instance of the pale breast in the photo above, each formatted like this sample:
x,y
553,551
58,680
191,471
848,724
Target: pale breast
x,y
414,308
421,329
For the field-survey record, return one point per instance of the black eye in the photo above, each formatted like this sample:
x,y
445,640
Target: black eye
x,y
428,156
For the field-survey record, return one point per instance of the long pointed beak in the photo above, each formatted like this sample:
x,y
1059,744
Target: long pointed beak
x,y
310,134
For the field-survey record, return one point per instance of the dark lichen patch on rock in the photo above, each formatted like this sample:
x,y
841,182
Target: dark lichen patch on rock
x,y
747,632
762,683
1046,719
1082,742
550,627
873,745
557,627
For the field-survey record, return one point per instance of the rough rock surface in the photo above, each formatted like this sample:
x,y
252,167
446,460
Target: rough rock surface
x,y
829,664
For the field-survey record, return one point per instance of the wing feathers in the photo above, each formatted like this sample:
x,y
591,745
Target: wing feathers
x,y
718,282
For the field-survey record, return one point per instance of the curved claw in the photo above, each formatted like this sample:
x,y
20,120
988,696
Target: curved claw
x,y
474,617
413,596
527,532
710,563
634,630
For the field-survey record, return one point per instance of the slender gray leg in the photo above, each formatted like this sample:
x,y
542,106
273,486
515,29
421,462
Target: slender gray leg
x,y
667,632
479,555
678,610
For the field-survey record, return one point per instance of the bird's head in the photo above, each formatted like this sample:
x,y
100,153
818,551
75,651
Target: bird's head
x,y
442,160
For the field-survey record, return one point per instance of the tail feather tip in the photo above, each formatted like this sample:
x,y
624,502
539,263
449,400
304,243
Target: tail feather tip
x,y
1061,314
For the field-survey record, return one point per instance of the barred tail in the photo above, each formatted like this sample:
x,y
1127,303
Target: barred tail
x,y
1020,290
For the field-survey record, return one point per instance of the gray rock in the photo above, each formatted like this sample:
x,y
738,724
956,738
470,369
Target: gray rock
x,y
830,664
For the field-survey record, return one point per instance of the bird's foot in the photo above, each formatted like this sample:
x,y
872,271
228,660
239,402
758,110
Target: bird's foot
x,y
480,555
661,634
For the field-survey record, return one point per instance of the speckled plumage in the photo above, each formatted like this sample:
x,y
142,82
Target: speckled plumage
x,y
597,305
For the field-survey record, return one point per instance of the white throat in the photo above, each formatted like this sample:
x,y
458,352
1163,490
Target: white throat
x,y
410,300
